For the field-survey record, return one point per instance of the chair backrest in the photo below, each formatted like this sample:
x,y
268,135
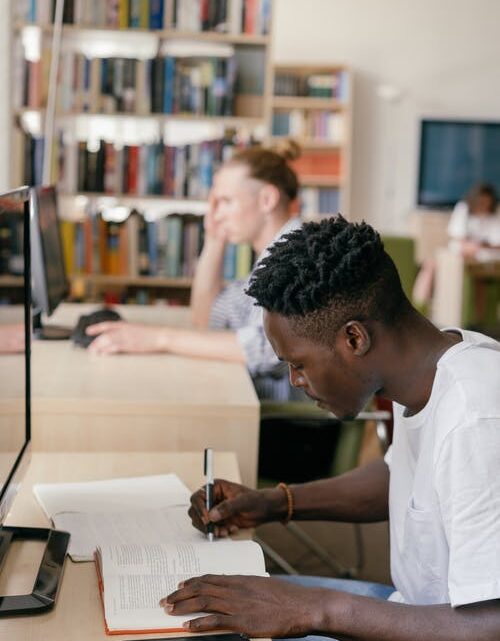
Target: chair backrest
x,y
346,454
326,446
402,251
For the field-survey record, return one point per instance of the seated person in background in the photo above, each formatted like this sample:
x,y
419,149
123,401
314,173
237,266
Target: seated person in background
x,y
335,312
251,202
474,222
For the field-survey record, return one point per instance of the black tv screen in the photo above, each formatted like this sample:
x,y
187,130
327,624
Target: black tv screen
x,y
454,156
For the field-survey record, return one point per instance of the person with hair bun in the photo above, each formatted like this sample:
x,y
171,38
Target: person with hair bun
x,y
251,201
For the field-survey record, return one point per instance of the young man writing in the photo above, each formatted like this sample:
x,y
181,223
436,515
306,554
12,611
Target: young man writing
x,y
336,313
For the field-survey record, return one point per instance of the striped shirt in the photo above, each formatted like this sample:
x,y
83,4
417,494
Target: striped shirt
x,y
233,309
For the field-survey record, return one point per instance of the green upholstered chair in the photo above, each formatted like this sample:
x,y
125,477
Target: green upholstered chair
x,y
402,251
301,442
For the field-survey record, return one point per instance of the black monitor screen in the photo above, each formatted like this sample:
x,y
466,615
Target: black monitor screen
x,y
14,346
50,284
455,156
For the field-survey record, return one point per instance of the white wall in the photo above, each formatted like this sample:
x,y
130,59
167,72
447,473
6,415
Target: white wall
x,y
442,55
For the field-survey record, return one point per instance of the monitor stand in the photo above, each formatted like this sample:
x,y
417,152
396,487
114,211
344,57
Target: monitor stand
x,y
49,332
44,592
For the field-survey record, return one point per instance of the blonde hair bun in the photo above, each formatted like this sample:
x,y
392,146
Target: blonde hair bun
x,y
287,148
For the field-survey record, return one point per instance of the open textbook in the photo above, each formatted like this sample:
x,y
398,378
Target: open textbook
x,y
134,577
126,510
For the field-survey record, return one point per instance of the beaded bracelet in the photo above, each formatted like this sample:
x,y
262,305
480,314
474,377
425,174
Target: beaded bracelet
x,y
289,502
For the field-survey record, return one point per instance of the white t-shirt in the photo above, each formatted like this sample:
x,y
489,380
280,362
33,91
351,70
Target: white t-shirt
x,y
481,228
444,496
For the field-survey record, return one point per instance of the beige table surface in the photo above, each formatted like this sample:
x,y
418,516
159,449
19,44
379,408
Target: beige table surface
x,y
85,402
77,615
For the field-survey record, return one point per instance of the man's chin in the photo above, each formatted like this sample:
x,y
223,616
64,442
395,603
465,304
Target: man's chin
x,y
324,406
339,415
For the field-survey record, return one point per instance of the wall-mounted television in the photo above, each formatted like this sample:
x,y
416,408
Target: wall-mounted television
x,y
454,156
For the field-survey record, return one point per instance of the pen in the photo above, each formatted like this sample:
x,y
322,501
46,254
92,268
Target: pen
x,y
209,488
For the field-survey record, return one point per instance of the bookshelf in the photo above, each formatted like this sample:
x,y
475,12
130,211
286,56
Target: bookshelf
x,y
152,96
313,104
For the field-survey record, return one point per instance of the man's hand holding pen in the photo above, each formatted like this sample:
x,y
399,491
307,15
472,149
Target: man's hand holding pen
x,y
236,507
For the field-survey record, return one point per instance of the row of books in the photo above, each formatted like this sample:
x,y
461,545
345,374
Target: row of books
x,y
324,126
167,247
225,16
319,200
250,17
164,84
316,85
150,169
111,13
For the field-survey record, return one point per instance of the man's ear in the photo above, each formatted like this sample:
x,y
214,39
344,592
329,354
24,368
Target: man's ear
x,y
356,338
269,197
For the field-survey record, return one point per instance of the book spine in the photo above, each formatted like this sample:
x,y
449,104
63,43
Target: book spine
x,y
133,244
132,169
174,246
123,249
152,247
79,251
88,266
144,268
123,14
144,14
134,14
68,242
113,248
156,12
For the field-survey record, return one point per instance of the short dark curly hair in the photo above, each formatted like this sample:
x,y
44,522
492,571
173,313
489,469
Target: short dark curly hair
x,y
327,273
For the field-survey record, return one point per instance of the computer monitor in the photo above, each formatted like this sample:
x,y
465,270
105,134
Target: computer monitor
x,y
50,283
15,419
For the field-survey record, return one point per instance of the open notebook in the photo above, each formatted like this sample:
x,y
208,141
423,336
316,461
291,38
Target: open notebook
x,y
124,510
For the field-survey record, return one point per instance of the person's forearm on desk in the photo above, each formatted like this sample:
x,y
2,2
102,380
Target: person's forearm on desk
x,y
209,344
267,607
120,337
207,282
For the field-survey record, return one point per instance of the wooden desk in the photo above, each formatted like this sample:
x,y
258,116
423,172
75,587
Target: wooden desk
x,y
77,615
456,278
85,402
